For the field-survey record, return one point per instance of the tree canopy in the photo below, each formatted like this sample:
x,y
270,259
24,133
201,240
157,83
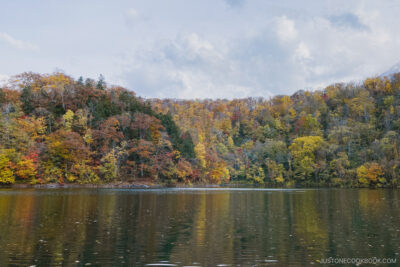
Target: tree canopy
x,y
57,129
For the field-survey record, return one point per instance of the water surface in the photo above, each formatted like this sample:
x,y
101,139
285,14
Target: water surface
x,y
196,227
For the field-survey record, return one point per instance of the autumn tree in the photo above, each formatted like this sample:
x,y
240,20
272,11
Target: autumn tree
x,y
6,173
370,174
303,150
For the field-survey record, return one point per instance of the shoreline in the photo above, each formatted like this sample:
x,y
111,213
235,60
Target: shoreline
x,y
110,185
126,185
66,186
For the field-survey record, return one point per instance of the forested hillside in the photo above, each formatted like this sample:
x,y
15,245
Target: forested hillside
x,y
345,135
57,129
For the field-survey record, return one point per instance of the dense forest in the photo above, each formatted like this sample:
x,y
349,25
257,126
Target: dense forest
x,y
57,129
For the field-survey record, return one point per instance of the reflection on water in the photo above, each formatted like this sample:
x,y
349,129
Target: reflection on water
x,y
201,227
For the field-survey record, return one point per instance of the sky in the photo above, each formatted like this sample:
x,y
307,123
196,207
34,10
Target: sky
x,y
202,48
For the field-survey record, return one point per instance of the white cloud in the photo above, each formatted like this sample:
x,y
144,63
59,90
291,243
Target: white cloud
x,y
22,45
286,29
187,67
226,48
133,17
4,79
302,52
131,12
281,56
345,53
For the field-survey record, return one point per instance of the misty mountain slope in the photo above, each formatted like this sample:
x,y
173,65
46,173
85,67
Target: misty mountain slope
x,y
394,69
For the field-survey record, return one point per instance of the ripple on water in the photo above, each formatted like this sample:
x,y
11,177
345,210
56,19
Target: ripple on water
x,y
161,264
196,226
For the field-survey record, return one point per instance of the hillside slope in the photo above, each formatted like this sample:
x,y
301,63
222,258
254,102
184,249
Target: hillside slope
x,y
345,135
57,129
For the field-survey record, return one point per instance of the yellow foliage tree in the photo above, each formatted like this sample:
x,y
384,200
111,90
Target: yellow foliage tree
x,y
200,151
219,173
303,152
6,173
26,168
370,174
68,119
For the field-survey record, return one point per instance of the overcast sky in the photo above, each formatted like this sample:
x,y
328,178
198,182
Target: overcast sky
x,y
202,48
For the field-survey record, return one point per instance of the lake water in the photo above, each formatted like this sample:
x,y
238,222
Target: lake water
x,y
196,227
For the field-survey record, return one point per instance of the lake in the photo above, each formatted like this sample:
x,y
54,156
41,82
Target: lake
x,y
196,227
